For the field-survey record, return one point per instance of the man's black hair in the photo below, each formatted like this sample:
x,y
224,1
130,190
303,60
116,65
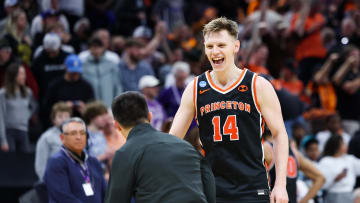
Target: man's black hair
x,y
332,146
95,42
310,142
130,108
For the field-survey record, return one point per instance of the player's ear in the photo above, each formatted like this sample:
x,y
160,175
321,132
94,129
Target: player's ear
x,y
150,116
237,46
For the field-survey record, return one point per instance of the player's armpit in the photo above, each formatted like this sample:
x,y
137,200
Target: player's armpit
x,y
185,113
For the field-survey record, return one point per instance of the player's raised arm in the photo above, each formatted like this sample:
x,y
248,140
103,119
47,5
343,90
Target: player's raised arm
x,y
271,111
185,113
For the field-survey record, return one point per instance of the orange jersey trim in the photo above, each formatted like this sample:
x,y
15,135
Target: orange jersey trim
x,y
255,96
232,86
194,95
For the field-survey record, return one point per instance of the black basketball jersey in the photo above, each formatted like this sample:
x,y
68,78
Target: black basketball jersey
x,y
291,176
231,126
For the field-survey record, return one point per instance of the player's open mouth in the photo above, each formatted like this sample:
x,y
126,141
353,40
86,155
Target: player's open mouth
x,y
218,61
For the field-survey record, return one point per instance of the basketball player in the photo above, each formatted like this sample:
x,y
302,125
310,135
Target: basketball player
x,y
229,105
296,162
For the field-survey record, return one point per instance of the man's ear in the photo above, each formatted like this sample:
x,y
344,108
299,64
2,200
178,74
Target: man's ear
x,y
62,137
237,46
150,116
117,126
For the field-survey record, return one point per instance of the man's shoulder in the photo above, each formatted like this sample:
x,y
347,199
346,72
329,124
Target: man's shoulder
x,y
56,160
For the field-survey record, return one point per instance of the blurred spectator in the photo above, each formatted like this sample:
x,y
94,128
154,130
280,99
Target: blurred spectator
x,y
166,69
30,7
17,34
66,39
114,140
72,9
306,28
9,6
17,107
117,44
181,36
133,67
349,33
49,142
42,21
354,145
129,15
321,89
50,62
289,79
100,13
340,171
292,107
152,45
81,34
101,72
334,126
70,88
7,57
257,61
298,132
94,116
71,175
312,150
209,14
347,83
105,37
148,85
170,96
170,11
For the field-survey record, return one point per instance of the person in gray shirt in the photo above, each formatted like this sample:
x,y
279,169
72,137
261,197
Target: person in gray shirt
x,y
17,106
49,142
154,167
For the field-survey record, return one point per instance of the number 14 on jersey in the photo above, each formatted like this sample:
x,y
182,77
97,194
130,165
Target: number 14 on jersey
x,y
229,128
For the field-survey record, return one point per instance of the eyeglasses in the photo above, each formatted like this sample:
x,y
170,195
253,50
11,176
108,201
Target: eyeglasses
x,y
74,133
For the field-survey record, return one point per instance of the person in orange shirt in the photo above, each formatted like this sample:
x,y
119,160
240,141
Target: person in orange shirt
x,y
258,58
289,79
310,50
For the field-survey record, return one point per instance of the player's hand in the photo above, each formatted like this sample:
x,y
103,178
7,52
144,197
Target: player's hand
x,y
279,195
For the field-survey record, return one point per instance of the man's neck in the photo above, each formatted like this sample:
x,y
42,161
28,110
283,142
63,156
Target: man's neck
x,y
78,154
126,131
129,62
226,77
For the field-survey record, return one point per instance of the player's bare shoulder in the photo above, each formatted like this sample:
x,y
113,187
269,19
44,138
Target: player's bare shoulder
x,y
263,88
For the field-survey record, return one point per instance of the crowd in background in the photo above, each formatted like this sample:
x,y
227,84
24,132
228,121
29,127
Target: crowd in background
x,y
63,58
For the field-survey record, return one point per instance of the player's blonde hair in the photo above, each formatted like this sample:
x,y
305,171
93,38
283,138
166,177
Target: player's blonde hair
x,y
220,24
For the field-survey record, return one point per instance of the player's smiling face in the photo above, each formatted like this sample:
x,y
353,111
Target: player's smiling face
x,y
220,48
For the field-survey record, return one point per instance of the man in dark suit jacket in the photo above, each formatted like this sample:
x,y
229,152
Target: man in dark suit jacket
x,y
154,166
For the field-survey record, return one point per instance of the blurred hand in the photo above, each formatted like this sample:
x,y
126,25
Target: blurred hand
x,y
161,28
4,147
350,87
279,195
350,60
341,175
334,57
